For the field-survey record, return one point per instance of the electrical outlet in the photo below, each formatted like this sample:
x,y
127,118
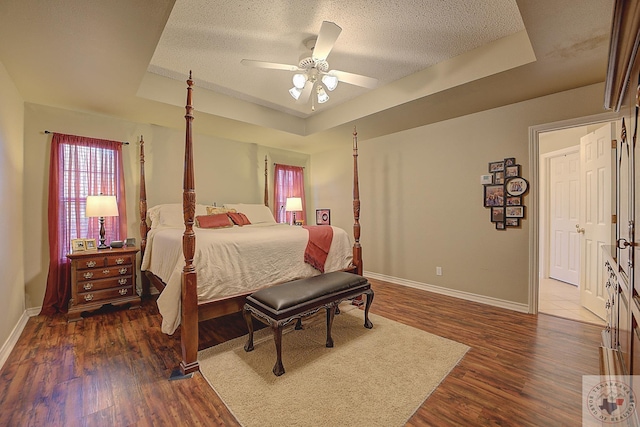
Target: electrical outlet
x,y
439,271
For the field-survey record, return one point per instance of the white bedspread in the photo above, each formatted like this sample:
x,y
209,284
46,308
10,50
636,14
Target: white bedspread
x,y
234,260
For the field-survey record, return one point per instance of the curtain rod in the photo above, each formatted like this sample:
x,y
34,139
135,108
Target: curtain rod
x,y
274,163
122,142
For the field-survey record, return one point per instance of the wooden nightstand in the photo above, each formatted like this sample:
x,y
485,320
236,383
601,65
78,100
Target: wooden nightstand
x,y
107,276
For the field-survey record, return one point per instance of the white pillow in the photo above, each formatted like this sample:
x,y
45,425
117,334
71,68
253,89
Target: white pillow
x,y
257,214
170,215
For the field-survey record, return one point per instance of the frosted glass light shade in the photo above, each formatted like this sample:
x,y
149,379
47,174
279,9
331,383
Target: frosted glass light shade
x,y
331,82
299,80
322,96
295,92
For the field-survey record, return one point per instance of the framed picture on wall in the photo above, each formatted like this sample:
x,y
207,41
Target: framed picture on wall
x,y
500,226
511,171
514,201
493,195
514,212
512,222
323,216
496,167
516,186
497,214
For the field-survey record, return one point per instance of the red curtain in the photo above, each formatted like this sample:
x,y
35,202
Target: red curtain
x,y
79,167
289,182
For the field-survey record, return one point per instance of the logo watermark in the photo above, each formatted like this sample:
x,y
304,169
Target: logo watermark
x,y
609,400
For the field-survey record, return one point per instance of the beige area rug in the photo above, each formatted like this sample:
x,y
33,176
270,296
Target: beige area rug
x,y
371,377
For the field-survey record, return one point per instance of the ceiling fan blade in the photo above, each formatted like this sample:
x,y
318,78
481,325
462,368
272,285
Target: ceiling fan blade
x,y
271,65
355,79
306,93
327,37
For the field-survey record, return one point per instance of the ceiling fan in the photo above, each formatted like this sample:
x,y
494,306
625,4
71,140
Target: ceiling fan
x,y
313,73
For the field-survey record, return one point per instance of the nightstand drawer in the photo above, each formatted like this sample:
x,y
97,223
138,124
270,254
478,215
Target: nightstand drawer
x,y
103,295
96,285
119,260
103,273
90,262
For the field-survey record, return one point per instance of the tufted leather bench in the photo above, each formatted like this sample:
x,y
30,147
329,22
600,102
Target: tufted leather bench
x,y
281,304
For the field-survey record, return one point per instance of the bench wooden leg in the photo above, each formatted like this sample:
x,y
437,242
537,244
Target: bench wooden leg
x,y
367,322
247,317
278,368
331,312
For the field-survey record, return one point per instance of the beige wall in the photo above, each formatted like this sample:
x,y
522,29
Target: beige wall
x,y
422,201
225,172
11,193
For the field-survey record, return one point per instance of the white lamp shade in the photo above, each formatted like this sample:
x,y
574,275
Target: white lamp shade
x,y
322,96
299,80
295,92
101,206
294,204
331,82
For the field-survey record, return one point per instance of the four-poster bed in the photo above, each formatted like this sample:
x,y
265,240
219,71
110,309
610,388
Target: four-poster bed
x,y
195,304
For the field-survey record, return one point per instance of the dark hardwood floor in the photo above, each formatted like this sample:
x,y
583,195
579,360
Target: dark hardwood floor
x,y
112,369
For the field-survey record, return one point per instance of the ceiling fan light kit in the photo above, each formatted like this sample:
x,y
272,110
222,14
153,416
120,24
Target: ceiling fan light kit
x,y
312,73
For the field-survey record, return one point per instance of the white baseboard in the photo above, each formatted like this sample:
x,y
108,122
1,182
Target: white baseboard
x,y
15,334
509,305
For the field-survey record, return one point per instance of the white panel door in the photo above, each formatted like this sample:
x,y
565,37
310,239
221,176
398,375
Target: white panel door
x,y
564,197
595,216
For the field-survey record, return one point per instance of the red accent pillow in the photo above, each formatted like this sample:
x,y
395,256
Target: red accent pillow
x,y
213,221
239,218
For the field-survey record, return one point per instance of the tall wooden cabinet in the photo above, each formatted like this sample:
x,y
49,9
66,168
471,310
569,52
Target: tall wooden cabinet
x,y
620,352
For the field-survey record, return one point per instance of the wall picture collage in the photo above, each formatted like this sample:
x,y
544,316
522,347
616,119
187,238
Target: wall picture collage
x,y
504,191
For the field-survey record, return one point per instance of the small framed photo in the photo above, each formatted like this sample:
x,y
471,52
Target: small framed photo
x,y
512,171
493,195
500,226
514,200
90,245
496,166
516,186
512,222
78,245
323,216
498,177
497,214
514,211
509,161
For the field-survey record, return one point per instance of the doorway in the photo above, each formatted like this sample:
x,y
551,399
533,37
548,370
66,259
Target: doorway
x,y
555,258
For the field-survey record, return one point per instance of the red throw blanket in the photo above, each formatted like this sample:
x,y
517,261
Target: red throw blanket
x,y
320,237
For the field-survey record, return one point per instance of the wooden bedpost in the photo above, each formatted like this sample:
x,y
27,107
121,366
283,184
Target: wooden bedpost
x,y
357,249
189,319
266,184
144,227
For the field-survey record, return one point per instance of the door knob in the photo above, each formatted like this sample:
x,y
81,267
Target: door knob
x,y
578,229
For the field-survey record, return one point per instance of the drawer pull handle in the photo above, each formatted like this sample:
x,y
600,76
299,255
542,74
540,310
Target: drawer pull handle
x,y
122,281
105,271
120,261
88,275
88,297
123,291
91,263
123,271
88,286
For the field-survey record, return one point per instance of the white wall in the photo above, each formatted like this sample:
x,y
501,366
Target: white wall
x,y
11,194
422,201
225,172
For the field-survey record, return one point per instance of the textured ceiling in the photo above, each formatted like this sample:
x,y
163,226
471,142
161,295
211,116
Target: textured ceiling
x,y
384,39
436,60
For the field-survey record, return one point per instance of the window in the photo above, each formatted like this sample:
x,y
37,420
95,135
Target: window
x,y
79,167
289,182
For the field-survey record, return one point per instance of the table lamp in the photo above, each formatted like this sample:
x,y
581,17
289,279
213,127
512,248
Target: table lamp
x,y
101,206
294,204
